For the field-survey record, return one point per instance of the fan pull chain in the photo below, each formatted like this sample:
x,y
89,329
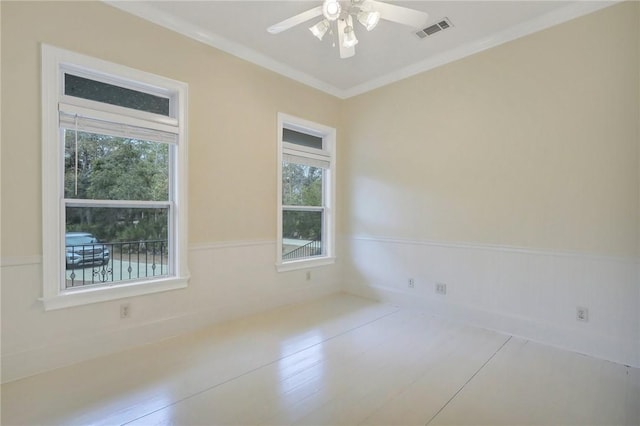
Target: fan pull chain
x,y
333,39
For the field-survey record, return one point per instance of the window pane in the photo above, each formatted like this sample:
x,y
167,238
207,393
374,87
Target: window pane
x,y
301,234
110,245
93,90
115,168
301,185
302,139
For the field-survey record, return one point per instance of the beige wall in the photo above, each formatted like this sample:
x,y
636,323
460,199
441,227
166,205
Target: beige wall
x,y
513,177
232,117
533,143
233,108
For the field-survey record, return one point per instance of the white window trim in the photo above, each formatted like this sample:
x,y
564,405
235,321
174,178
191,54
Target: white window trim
x,y
54,62
328,153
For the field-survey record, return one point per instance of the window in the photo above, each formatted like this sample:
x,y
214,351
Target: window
x,y
305,193
114,187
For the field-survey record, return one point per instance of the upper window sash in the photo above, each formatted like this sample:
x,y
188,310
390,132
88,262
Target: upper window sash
x,y
95,89
308,128
173,97
303,139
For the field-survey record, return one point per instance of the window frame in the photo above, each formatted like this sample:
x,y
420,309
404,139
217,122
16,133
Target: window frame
x,y
55,63
328,135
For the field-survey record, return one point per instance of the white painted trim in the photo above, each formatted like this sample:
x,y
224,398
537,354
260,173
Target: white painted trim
x,y
35,360
52,172
195,32
229,244
498,247
67,299
500,287
10,261
180,187
147,12
525,328
328,188
156,89
54,62
56,353
556,17
305,264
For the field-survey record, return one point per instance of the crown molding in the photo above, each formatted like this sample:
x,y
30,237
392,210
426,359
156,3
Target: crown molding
x,y
559,16
147,12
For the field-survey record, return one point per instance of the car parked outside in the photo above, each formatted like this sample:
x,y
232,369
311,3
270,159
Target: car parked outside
x,y
83,249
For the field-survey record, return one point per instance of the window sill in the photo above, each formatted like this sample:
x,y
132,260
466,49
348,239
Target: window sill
x,y
67,299
304,264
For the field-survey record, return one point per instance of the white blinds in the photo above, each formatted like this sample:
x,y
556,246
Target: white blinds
x,y
306,160
92,125
102,122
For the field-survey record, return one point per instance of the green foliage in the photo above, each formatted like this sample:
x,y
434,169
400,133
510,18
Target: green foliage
x,y
303,225
114,168
302,186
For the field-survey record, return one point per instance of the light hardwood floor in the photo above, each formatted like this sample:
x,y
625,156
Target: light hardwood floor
x,y
339,360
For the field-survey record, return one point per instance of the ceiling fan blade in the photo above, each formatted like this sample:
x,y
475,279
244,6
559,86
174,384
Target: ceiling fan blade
x,y
401,15
295,20
345,52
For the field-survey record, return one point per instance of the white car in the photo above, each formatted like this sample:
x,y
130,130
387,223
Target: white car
x,y
83,249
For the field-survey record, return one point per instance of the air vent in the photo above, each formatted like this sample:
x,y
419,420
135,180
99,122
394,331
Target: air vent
x,y
442,24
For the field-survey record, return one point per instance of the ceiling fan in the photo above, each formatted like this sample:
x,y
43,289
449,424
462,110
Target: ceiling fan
x,y
339,17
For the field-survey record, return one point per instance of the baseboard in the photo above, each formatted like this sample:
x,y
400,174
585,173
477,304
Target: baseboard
x,y
585,343
533,293
22,364
229,280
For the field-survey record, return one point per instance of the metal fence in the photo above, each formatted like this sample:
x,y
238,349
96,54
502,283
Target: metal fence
x,y
312,248
101,263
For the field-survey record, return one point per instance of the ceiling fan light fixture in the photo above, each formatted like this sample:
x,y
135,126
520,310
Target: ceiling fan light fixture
x,y
331,9
369,19
344,13
320,29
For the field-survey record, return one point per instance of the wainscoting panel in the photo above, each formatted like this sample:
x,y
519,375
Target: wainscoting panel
x,y
527,293
228,280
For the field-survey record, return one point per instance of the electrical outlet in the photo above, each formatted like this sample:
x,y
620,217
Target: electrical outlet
x,y
441,288
582,313
412,283
125,310
308,276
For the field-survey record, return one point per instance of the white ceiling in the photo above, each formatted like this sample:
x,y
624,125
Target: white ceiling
x,y
388,53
